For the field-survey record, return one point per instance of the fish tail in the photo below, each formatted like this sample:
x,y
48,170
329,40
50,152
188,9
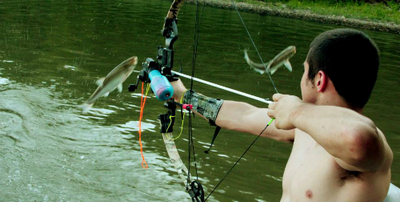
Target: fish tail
x,y
85,107
260,68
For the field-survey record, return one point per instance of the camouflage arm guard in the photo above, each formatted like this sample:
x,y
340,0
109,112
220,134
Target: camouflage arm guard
x,y
206,106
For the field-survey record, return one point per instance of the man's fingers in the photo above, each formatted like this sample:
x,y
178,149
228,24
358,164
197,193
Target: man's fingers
x,y
276,97
271,113
272,105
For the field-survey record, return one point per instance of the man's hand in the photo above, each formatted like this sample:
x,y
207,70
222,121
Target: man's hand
x,y
283,110
179,88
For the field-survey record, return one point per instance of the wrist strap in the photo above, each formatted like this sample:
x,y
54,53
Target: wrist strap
x,y
206,106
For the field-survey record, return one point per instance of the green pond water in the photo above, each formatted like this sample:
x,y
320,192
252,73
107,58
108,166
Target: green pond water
x,y
51,54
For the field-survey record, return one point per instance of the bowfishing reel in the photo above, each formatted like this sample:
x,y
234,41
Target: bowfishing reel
x,y
158,72
155,74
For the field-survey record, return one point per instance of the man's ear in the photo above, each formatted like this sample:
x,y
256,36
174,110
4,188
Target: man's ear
x,y
321,81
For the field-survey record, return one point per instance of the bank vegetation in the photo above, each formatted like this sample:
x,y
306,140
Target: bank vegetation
x,y
382,15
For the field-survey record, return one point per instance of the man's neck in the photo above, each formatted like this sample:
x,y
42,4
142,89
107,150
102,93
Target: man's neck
x,y
335,99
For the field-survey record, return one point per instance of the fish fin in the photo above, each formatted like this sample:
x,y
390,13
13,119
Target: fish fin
x,y
106,94
288,65
258,70
120,87
100,81
273,70
85,107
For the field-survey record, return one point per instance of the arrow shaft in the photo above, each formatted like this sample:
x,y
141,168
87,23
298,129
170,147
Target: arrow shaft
x,y
223,88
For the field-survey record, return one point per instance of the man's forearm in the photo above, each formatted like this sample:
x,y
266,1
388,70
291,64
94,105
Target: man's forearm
x,y
243,117
238,116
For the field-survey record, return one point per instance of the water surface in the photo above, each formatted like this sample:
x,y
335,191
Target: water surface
x,y
53,52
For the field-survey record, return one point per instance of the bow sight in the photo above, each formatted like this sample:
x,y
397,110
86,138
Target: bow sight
x,y
158,72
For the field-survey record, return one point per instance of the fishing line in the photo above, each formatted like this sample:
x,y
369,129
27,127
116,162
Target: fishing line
x,y
180,133
142,104
255,47
183,118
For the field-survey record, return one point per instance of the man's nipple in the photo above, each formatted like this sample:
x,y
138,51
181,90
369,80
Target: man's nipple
x,y
309,194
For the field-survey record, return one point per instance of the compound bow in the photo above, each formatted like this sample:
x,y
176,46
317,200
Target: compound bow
x,y
163,66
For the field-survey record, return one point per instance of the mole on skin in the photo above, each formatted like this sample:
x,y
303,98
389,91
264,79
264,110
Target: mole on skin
x,y
309,194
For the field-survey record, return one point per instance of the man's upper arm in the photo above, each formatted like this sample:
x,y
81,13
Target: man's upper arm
x,y
375,162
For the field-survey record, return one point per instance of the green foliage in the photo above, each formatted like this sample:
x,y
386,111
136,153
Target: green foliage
x,y
394,5
374,10
338,1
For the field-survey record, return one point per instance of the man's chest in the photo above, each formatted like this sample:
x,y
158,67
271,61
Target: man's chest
x,y
311,172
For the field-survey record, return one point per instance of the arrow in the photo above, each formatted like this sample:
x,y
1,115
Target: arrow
x,y
224,88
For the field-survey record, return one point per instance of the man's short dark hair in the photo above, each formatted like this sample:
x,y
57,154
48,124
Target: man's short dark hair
x,y
350,59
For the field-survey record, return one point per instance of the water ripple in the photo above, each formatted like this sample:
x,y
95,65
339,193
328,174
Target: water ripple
x,y
132,126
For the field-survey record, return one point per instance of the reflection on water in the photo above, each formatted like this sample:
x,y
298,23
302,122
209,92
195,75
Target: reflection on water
x,y
98,113
53,52
70,67
132,126
4,81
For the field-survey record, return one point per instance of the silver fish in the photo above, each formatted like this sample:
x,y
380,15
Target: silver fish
x,y
113,80
281,59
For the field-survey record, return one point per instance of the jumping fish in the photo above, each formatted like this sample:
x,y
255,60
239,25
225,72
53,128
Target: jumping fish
x,y
113,80
281,59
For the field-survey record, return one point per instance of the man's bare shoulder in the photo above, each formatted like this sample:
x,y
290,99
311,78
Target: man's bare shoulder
x,y
388,152
369,185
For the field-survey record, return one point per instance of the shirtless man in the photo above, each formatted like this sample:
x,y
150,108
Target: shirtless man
x,y
338,154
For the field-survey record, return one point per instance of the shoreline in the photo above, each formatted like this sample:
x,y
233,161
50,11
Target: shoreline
x,y
304,15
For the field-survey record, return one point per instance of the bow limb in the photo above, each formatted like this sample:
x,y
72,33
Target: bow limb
x,y
167,122
175,7
174,157
173,11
